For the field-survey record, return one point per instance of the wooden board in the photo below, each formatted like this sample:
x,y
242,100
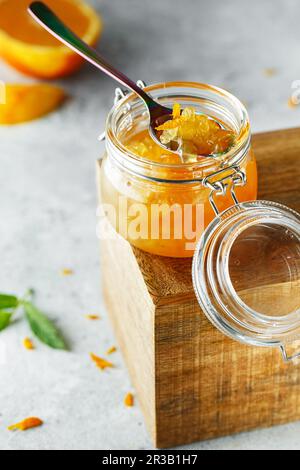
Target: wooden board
x,y
193,382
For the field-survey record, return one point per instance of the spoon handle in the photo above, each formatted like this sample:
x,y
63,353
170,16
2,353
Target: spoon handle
x,y
46,18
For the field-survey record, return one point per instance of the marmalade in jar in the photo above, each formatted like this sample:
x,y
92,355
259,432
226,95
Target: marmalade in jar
x,y
155,198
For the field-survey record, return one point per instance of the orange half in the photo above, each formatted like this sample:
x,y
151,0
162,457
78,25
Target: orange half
x,y
25,45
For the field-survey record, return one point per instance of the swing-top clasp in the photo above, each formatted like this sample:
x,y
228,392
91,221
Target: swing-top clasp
x,y
219,181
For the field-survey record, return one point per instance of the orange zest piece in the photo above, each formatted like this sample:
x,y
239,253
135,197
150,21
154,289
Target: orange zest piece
x,y
32,50
197,134
23,102
176,111
129,400
28,344
92,317
100,362
111,350
27,423
67,272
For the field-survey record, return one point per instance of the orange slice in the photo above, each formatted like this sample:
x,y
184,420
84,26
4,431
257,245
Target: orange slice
x,y
29,48
20,103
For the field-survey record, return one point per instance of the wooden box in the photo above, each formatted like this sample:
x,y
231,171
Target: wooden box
x,y
193,382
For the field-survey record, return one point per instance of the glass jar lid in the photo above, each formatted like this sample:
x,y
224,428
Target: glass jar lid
x,y
246,274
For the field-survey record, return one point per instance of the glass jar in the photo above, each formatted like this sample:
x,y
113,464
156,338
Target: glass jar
x,y
164,208
246,275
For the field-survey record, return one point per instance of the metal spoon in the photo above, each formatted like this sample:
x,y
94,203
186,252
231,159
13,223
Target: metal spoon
x,y
46,18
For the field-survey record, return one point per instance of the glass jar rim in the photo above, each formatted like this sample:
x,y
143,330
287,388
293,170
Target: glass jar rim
x,y
160,90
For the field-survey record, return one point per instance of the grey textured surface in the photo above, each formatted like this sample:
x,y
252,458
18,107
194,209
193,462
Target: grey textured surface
x,y
48,207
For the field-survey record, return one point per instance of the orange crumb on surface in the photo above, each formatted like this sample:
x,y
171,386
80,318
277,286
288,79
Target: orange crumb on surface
x,y
27,423
67,272
92,317
28,344
100,362
270,71
111,350
292,102
129,400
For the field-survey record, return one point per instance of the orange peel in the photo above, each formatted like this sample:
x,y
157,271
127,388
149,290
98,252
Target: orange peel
x,y
129,400
28,344
111,350
100,362
22,102
29,48
67,272
196,133
27,423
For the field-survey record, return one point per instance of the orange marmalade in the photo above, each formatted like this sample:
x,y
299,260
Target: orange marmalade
x,y
160,200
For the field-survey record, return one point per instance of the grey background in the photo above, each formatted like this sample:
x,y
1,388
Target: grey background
x,y
48,208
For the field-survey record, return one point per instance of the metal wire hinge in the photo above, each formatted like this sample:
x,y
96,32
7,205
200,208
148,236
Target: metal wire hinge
x,y
119,95
289,358
219,182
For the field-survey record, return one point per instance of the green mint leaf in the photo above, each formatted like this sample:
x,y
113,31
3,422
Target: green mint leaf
x,y
42,327
8,301
5,319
